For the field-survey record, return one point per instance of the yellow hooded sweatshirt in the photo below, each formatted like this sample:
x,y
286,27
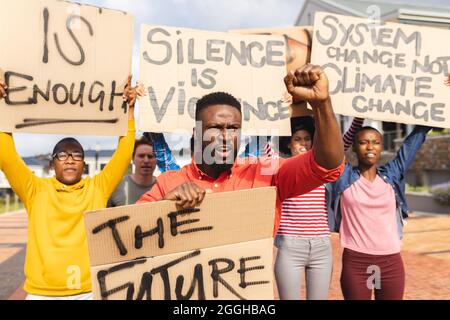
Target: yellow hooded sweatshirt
x,y
57,257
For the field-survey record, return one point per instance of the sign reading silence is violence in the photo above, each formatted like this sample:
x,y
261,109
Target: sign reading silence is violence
x,y
66,66
220,250
384,71
179,66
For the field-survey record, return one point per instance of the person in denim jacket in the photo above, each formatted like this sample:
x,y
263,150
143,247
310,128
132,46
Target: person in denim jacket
x,y
367,207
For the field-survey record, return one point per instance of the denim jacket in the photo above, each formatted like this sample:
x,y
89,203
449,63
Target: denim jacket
x,y
392,173
164,158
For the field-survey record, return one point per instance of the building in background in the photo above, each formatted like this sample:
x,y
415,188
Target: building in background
x,y
430,170
95,159
431,13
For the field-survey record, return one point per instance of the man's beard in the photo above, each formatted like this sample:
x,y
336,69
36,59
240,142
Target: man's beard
x,y
219,154
225,164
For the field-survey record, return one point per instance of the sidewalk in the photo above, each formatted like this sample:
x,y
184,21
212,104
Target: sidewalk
x,y
426,256
13,239
425,251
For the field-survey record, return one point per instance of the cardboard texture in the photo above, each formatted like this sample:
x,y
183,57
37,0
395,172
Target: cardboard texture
x,y
66,66
228,217
179,66
384,71
298,53
216,273
298,42
229,225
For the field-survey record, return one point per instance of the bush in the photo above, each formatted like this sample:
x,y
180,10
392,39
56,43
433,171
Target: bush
x,y
441,193
439,132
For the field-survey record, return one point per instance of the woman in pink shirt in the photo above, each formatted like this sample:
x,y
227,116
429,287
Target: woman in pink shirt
x,y
369,207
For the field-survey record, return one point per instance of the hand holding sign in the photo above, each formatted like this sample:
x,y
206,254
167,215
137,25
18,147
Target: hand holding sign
x,y
3,88
308,83
131,93
187,195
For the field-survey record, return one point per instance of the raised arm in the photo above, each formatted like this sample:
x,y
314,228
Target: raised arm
x,y
21,179
405,156
350,134
164,158
110,176
309,83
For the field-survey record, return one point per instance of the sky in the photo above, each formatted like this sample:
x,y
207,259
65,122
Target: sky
x,y
212,15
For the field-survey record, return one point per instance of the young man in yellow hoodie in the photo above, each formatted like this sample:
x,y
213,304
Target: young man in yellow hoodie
x,y
57,258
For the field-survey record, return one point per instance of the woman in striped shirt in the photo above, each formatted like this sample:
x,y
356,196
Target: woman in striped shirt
x,y
303,238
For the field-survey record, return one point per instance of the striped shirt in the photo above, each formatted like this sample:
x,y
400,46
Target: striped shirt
x,y
306,215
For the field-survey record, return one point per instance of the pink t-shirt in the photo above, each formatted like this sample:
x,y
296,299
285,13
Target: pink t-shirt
x,y
369,222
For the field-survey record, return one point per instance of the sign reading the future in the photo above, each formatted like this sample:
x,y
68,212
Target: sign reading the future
x,y
222,249
179,66
391,72
66,66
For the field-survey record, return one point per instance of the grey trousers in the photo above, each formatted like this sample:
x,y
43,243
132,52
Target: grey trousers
x,y
312,256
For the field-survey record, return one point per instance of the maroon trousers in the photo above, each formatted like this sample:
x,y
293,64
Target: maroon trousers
x,y
364,273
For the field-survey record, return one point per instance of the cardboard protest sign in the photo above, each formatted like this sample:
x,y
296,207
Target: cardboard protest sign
x,y
298,42
390,72
220,250
179,66
218,273
66,66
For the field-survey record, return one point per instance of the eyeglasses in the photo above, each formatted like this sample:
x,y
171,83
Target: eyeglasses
x,y
63,156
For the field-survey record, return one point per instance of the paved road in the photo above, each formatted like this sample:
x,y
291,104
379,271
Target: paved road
x,y
13,239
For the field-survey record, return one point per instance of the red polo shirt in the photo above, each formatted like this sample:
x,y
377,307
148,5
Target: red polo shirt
x,y
292,177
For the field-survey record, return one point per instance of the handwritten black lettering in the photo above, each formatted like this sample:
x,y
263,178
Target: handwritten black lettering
x,y
197,281
139,235
164,271
40,122
11,89
174,223
65,92
75,39
100,97
79,99
45,54
243,270
216,276
129,286
115,233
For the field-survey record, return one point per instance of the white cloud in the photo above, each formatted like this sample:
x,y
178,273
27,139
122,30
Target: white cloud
x,y
210,14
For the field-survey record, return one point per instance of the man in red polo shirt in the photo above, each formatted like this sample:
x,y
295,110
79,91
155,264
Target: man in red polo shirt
x,y
216,168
